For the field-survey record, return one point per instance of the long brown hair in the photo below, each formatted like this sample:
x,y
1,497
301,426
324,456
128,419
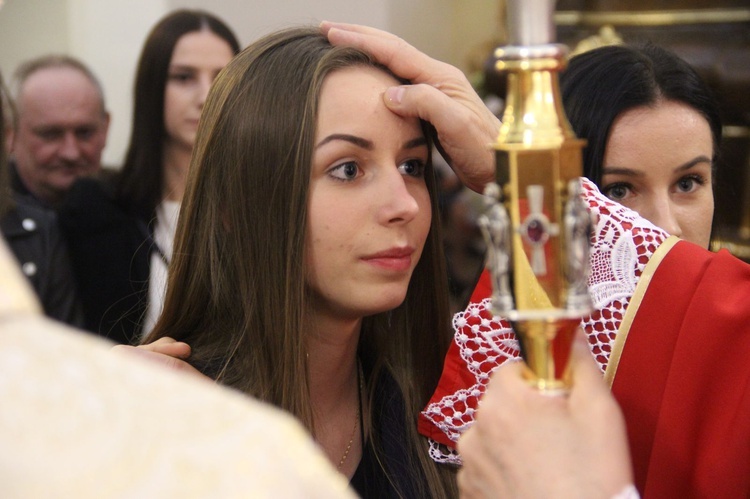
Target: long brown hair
x,y
236,290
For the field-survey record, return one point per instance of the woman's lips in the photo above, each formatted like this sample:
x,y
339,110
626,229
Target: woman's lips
x,y
396,259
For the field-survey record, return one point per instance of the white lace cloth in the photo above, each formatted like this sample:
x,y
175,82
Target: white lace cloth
x,y
622,244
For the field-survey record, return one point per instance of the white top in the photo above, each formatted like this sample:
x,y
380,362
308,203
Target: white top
x,y
166,224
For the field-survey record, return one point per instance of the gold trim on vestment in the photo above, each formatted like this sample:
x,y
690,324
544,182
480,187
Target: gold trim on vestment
x,y
633,305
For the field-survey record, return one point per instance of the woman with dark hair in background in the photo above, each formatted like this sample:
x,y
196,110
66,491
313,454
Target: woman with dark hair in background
x,y
120,227
653,132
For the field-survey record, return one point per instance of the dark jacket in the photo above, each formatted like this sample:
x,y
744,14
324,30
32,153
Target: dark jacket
x,y
34,237
370,480
18,187
110,250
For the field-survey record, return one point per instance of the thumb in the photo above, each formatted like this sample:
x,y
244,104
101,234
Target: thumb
x,y
463,133
425,102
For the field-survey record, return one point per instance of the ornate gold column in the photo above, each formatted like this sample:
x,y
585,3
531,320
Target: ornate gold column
x,y
536,226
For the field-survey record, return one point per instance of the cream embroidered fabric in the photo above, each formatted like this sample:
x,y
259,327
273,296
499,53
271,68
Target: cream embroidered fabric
x,y
79,421
622,244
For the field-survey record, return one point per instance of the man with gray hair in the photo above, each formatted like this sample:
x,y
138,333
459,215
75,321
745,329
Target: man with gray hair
x,y
60,127
58,133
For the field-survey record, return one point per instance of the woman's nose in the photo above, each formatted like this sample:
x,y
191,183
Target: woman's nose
x,y
663,214
204,86
399,204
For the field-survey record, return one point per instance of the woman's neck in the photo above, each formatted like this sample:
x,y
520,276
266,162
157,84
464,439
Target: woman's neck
x,y
335,390
175,161
332,360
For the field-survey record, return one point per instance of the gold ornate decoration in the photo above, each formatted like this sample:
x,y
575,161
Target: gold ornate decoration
x,y
652,17
735,131
606,36
536,226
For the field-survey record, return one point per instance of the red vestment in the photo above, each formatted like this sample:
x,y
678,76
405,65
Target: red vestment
x,y
683,378
670,330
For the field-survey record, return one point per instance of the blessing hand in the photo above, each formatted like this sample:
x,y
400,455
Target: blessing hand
x,y
439,94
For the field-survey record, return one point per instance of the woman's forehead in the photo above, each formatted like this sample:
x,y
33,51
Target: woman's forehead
x,y
354,98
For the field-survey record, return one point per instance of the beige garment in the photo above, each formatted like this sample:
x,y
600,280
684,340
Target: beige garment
x,y
77,420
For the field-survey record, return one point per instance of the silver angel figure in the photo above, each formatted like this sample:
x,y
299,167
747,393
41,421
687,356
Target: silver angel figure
x,y
578,229
495,226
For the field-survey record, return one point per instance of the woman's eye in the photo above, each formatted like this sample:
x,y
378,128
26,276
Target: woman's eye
x,y
345,171
690,183
412,167
180,77
616,192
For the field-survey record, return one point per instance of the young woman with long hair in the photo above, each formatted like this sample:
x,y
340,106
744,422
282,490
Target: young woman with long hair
x,y
120,228
308,268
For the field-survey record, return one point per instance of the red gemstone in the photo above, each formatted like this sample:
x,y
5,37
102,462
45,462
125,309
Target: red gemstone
x,y
535,231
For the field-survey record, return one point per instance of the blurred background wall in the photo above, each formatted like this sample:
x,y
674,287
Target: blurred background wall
x,y
108,34
713,35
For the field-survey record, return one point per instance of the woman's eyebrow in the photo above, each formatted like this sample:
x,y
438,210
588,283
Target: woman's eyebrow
x,y
693,162
366,144
414,143
628,172
180,66
621,170
357,141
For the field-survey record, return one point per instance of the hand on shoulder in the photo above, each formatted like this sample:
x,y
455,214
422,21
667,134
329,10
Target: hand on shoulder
x,y
166,352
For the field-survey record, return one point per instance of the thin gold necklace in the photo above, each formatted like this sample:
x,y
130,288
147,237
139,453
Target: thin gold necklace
x,y
356,419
